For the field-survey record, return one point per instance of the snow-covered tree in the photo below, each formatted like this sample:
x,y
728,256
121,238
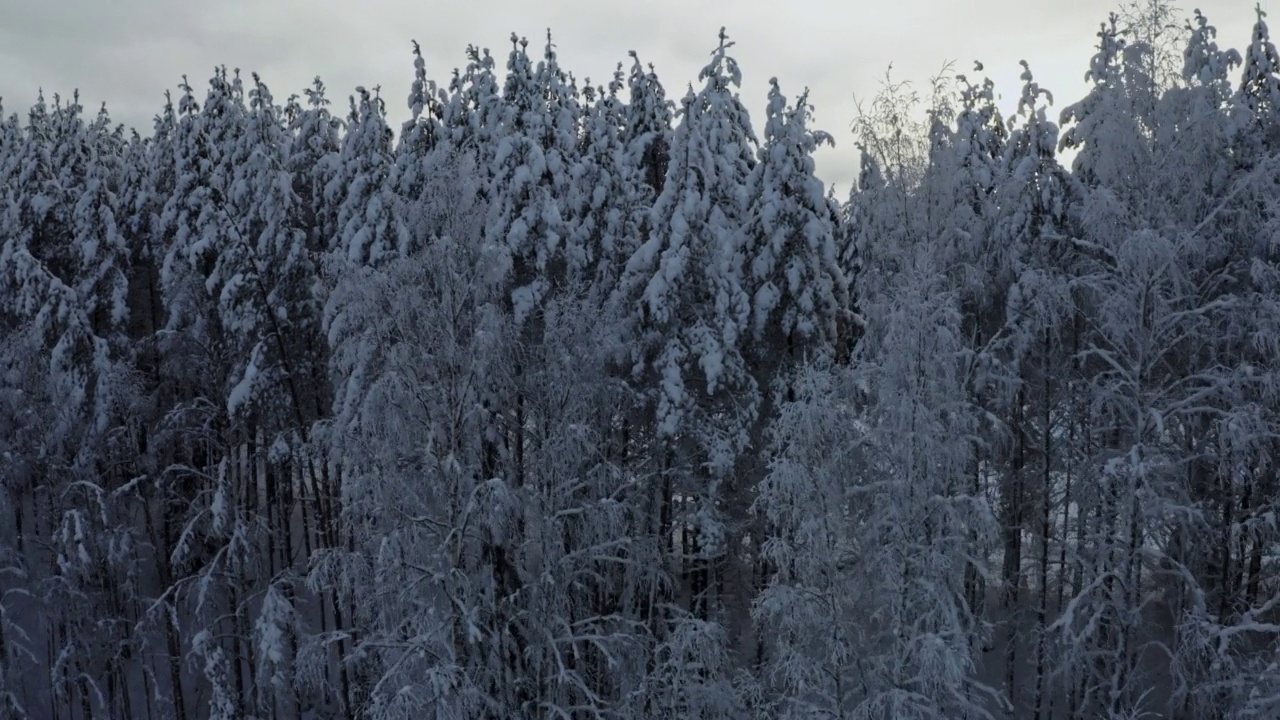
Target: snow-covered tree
x,y
1191,130
608,202
688,280
1104,127
527,224
370,222
312,162
537,406
873,526
791,269
1257,100
649,117
420,139
474,109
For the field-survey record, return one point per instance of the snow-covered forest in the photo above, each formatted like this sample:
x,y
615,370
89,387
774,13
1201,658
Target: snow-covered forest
x,y
568,400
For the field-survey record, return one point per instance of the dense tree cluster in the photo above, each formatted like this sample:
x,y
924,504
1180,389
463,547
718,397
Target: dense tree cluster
x,y
574,401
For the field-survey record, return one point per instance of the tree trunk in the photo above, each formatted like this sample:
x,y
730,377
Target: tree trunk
x,y
1046,516
1012,574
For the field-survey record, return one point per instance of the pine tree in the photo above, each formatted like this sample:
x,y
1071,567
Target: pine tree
x,y
1191,150
607,200
312,163
1206,65
526,226
63,292
972,173
1034,230
689,281
1257,100
420,136
159,440
690,263
1104,127
474,111
234,229
649,117
790,252
370,218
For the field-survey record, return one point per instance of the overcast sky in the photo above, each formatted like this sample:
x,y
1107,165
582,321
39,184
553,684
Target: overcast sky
x,y
127,52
